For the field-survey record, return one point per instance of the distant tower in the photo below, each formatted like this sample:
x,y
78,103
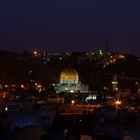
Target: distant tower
x,y
115,83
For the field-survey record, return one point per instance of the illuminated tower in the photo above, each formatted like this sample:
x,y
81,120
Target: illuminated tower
x,y
115,83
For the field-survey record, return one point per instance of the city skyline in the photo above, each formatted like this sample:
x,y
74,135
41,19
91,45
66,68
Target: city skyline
x,y
70,25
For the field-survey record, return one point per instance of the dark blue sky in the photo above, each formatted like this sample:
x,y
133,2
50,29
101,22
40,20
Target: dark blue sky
x,y
70,25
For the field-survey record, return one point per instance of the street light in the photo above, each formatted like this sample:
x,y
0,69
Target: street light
x,y
118,102
74,107
72,102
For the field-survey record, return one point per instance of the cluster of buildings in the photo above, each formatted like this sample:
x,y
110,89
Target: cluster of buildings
x,y
103,58
68,109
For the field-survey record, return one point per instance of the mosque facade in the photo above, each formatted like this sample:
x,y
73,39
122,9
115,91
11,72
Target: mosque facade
x,y
69,82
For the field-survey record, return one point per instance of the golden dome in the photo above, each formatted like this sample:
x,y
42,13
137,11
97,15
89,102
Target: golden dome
x,y
69,73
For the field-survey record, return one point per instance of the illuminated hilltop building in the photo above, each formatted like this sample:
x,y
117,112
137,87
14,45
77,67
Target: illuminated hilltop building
x,y
69,82
69,76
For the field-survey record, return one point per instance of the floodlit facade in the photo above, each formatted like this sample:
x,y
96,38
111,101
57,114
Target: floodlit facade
x,y
69,82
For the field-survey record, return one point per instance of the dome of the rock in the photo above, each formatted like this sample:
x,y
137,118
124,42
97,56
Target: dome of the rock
x,y
69,76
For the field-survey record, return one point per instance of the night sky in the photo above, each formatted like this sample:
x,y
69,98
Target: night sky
x,y
70,25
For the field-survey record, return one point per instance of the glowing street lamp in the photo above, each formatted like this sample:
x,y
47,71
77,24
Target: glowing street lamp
x,y
6,108
35,53
72,91
118,103
72,102
22,86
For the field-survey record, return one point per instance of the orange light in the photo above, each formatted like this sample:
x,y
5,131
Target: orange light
x,y
72,102
118,102
39,86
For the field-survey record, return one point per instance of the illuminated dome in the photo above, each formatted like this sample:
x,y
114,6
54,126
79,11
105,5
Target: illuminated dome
x,y
69,76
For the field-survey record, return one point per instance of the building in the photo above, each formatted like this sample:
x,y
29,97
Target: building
x,y
115,83
69,82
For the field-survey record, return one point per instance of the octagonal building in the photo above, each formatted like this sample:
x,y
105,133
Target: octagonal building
x,y
69,76
69,82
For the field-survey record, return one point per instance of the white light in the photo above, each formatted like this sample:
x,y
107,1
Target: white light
x,y
30,71
6,108
35,52
72,91
116,88
22,86
91,97
100,51
94,97
114,82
